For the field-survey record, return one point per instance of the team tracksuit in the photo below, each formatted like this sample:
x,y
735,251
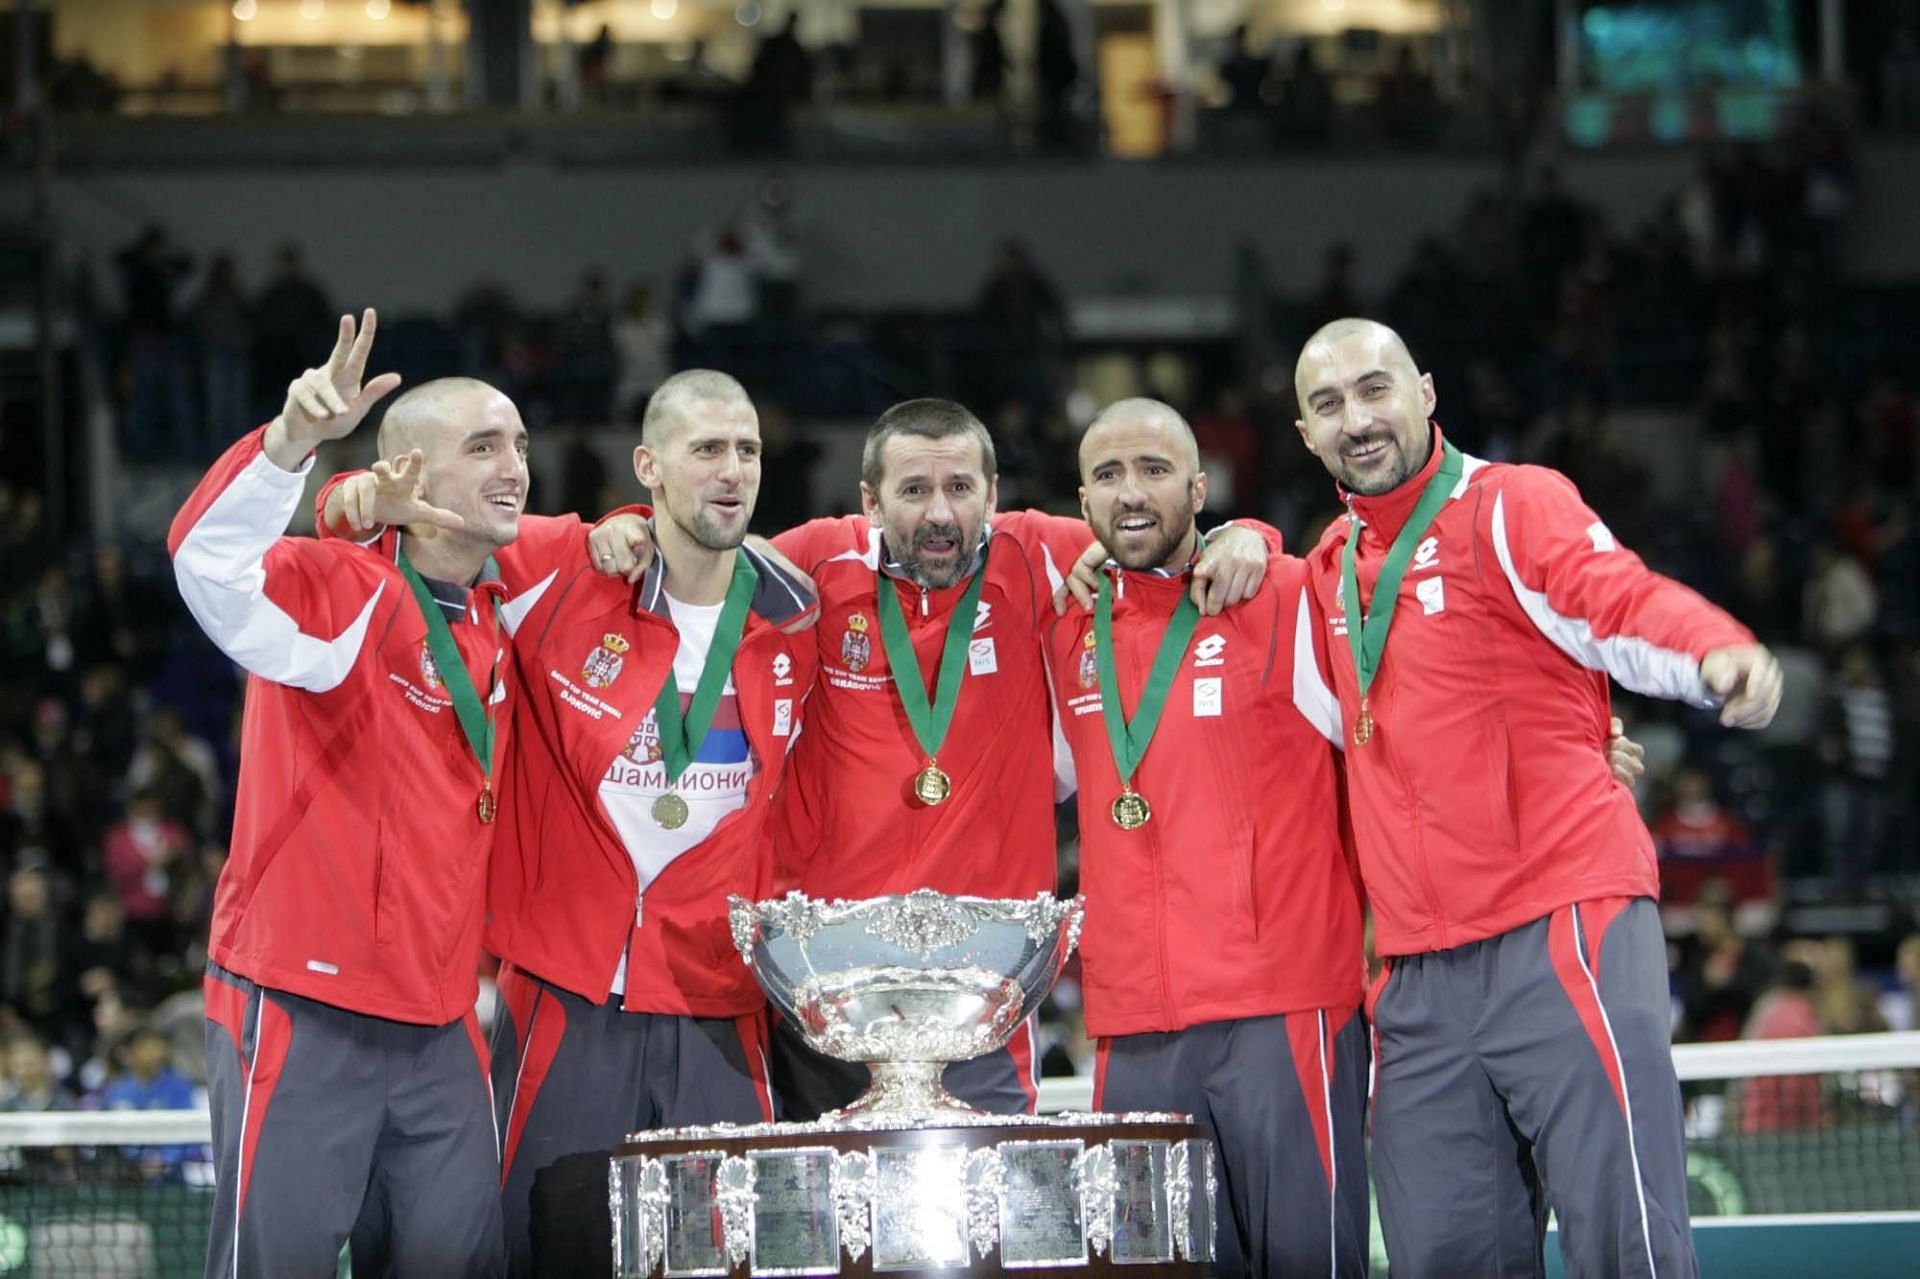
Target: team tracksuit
x,y
346,1074
848,826
1222,946
1521,1022
575,1067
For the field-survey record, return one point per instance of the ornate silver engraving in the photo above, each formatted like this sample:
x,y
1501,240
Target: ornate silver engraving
x,y
1094,1171
744,921
1044,914
924,921
1213,1201
795,915
653,1213
852,1200
897,1123
1180,1200
733,1192
985,1173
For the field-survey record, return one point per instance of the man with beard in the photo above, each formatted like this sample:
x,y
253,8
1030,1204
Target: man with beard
x,y
1222,962
1521,1064
927,760
653,734
348,1094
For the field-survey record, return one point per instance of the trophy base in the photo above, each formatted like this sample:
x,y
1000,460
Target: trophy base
x,y
1072,1195
903,1091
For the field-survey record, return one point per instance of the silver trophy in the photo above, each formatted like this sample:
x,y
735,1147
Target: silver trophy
x,y
906,984
907,1178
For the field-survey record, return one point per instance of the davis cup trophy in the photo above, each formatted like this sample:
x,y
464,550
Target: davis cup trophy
x,y
908,1179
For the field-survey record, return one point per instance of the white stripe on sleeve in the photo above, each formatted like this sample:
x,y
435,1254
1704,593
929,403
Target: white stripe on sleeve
x,y
221,571
1311,696
1633,662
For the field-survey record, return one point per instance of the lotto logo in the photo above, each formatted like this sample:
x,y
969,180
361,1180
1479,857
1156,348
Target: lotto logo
x,y
1208,651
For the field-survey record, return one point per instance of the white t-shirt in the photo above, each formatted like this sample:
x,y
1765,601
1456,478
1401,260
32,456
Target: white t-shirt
x,y
714,784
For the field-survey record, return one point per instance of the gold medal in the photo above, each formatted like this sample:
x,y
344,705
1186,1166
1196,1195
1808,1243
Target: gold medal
x,y
931,785
1130,810
484,805
1363,726
670,811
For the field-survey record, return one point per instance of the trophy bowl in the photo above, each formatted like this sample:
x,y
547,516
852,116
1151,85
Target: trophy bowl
x,y
906,984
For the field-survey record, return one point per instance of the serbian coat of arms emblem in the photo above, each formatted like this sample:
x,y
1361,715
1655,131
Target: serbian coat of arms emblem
x,y
856,646
603,664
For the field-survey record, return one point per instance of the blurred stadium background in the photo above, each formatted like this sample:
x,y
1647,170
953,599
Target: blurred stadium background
x,y
1664,245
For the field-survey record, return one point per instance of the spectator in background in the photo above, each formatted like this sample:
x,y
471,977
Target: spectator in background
x,y
1857,747
643,345
148,1081
1022,329
1305,115
143,852
1408,103
1774,1103
1843,1003
182,771
290,310
583,354
1056,70
1244,73
30,952
780,80
222,327
1700,842
596,66
30,1086
988,54
159,405
1721,976
1840,603
1906,971
582,489
725,293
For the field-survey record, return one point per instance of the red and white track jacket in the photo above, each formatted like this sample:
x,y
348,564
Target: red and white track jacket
x,y
1238,898
563,899
354,876
847,824
1484,800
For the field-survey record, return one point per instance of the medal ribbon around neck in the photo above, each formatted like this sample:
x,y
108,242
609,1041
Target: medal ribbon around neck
x,y
929,721
1367,633
1129,737
682,735
476,721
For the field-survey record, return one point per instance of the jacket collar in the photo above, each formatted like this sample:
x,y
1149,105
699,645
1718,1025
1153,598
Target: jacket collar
x,y
778,598
1386,513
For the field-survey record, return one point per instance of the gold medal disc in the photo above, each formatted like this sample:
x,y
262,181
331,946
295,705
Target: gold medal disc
x,y
1130,810
1363,726
484,805
931,785
670,811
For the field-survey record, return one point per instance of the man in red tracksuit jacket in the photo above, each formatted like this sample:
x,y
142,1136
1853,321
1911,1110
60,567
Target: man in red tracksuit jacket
x,y
849,823
1521,1019
346,1076
623,1004
1222,958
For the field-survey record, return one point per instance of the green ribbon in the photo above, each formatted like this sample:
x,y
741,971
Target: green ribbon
x,y
1367,634
681,735
1129,737
929,721
476,722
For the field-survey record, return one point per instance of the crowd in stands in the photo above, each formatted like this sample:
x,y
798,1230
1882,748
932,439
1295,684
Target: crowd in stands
x,y
1787,490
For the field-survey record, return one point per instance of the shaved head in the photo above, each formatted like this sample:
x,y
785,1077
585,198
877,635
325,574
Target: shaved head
x,y
417,414
1373,334
671,404
1141,411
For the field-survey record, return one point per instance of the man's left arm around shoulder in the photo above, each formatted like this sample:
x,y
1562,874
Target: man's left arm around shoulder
x,y
1600,604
